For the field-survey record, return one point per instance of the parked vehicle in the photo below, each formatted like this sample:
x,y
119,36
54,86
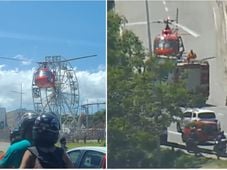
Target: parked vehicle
x,y
88,157
205,122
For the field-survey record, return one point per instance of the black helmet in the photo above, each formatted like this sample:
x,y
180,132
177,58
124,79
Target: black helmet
x,y
27,122
15,135
46,130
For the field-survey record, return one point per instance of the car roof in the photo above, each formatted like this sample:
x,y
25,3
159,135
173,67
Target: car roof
x,y
199,110
92,148
203,111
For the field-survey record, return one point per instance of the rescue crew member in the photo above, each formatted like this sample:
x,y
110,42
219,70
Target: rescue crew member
x,y
15,152
191,55
44,153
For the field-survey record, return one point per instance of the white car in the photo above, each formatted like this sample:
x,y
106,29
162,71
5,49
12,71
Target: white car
x,y
191,115
88,157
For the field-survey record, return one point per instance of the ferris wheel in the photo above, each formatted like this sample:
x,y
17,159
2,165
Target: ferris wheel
x,y
55,87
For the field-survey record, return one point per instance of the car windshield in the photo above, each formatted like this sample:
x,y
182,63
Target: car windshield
x,y
187,114
206,115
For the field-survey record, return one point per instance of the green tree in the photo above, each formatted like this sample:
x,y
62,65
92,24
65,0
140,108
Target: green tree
x,y
99,117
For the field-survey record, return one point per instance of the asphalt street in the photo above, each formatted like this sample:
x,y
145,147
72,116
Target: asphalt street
x,y
4,146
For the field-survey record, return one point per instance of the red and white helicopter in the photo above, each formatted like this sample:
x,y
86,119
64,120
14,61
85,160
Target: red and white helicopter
x,y
169,43
44,77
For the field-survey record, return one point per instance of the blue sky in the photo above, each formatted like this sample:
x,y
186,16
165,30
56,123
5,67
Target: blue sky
x,y
33,30
38,29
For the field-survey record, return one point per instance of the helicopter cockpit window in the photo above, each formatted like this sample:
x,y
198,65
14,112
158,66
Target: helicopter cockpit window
x,y
166,44
44,73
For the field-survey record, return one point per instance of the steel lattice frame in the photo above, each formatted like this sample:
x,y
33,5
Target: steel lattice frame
x,y
63,99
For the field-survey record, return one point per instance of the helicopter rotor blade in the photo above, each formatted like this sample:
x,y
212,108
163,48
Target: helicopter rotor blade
x,y
136,23
78,58
158,21
14,59
193,33
207,58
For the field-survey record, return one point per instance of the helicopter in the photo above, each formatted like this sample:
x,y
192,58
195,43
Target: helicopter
x,y
44,77
169,43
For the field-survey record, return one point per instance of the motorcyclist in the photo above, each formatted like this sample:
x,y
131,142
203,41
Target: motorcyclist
x,y
15,152
220,144
45,154
191,143
220,136
14,135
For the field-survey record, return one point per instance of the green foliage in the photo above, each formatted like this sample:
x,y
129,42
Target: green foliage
x,y
71,145
179,159
99,117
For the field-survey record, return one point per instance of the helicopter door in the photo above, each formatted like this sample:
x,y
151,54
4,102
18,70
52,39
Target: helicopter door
x,y
180,47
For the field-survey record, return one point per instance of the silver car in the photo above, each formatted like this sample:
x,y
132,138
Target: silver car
x,y
88,157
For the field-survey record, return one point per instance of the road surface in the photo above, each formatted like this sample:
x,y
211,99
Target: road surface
x,y
4,146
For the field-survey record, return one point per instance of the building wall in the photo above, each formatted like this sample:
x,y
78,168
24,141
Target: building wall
x,y
3,123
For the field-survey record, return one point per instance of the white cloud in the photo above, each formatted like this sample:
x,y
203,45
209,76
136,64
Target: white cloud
x,y
24,60
92,87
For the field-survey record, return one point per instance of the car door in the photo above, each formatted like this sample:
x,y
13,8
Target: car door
x,y
75,156
92,159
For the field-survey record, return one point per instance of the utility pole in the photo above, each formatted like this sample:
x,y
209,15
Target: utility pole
x,y
148,27
21,94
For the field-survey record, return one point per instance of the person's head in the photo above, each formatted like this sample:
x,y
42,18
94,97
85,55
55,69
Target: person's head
x,y
63,141
26,124
15,135
46,130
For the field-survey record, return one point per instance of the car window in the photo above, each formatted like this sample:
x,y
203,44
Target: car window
x,y
207,115
187,114
92,159
75,157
